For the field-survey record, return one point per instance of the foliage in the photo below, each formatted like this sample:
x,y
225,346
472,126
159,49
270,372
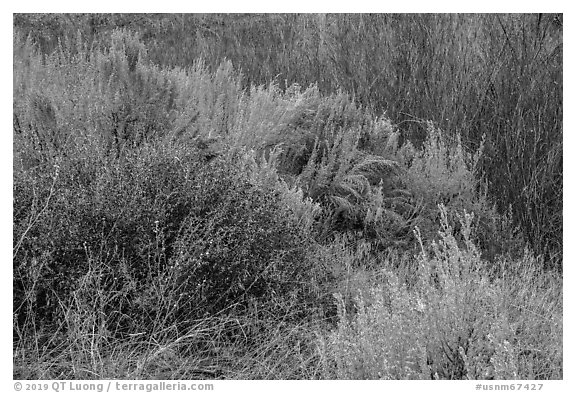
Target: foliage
x,y
191,223
123,214
454,323
108,101
238,244
498,75
443,172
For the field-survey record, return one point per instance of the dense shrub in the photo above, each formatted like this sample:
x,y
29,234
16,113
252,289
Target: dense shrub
x,y
185,223
456,323
157,217
238,245
443,172
498,75
114,99
124,214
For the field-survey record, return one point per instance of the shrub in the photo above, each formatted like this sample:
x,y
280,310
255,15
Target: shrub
x,y
443,172
481,74
263,173
359,192
238,245
457,322
169,216
294,120
124,214
106,101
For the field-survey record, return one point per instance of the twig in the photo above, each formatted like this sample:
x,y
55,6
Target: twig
x,y
35,219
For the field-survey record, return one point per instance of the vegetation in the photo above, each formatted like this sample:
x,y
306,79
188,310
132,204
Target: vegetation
x,y
194,202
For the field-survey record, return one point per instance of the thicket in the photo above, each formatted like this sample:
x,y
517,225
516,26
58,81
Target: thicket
x,y
183,222
498,76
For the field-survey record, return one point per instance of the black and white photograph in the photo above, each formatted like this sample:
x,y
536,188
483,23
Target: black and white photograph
x,y
287,196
